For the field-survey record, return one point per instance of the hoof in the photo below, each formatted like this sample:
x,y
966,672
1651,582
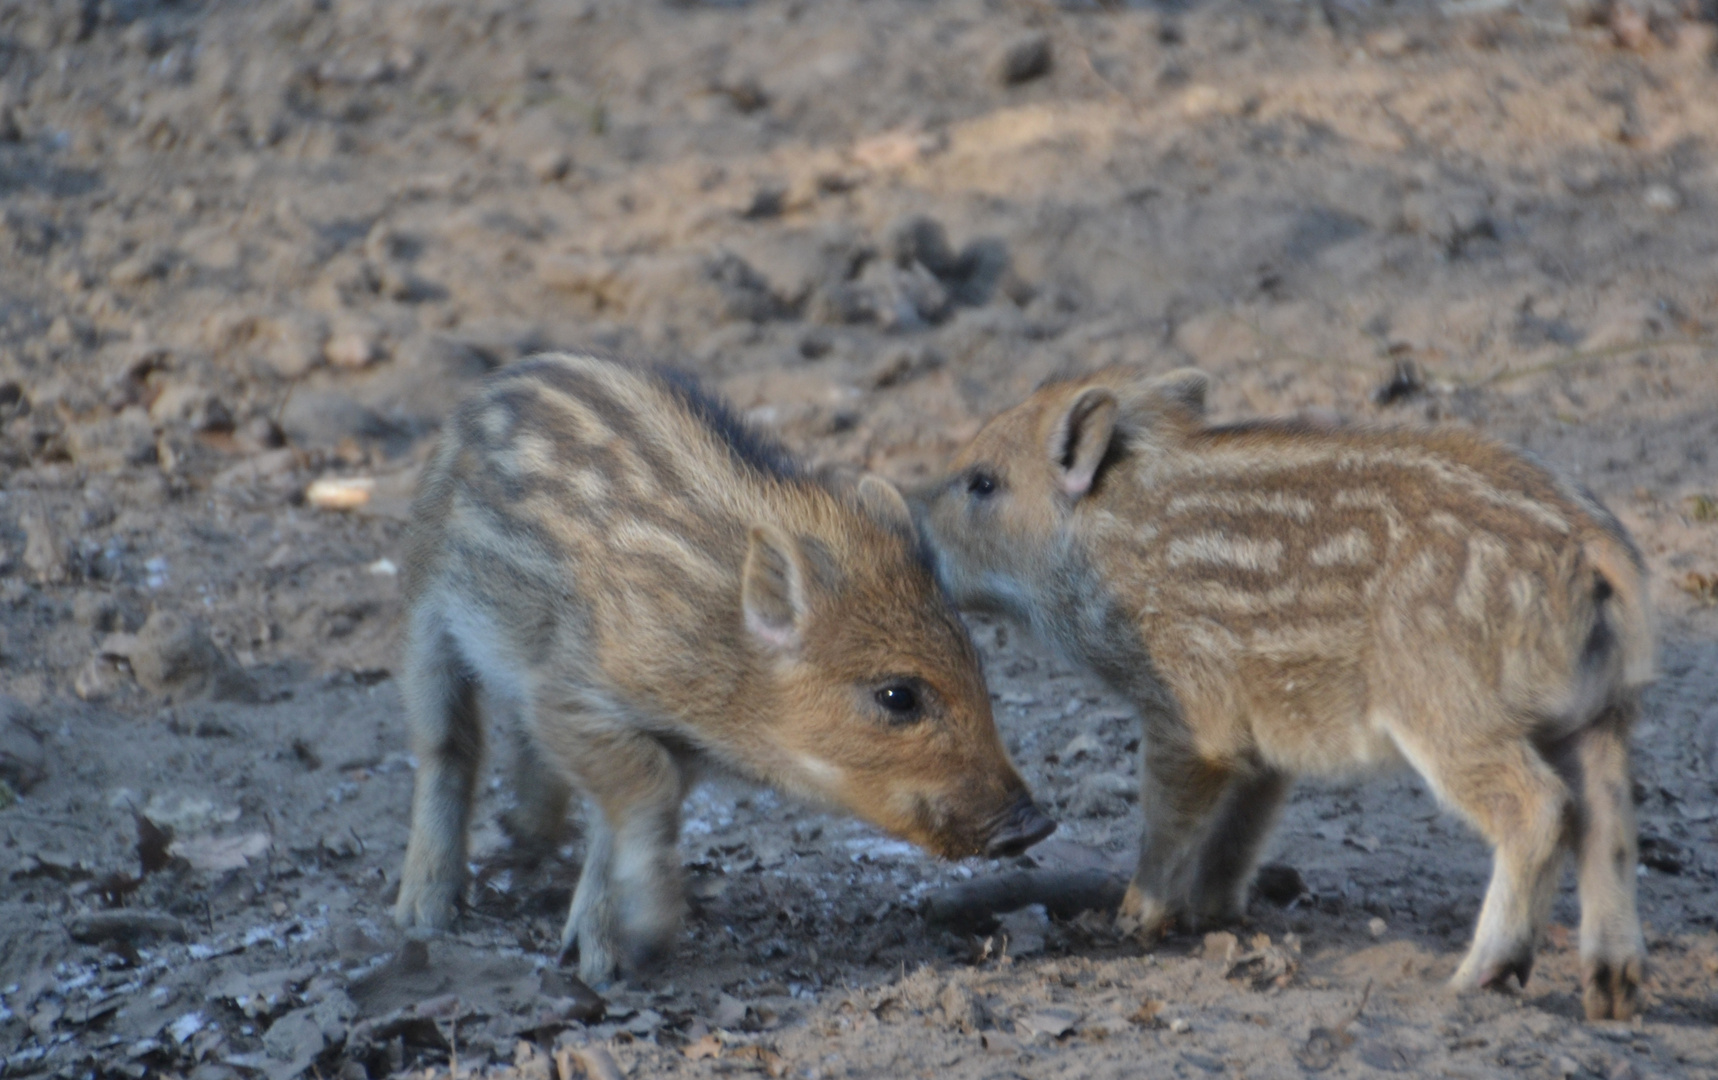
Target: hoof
x,y
1611,989
1493,975
427,908
1143,919
1498,977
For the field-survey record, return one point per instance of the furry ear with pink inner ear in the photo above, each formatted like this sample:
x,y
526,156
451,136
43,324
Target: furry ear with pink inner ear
x,y
1081,439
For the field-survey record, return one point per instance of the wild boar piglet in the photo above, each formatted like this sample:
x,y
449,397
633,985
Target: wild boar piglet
x,y
659,592
1277,598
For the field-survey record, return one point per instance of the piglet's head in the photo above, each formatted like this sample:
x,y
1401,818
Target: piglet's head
x,y
875,698
998,523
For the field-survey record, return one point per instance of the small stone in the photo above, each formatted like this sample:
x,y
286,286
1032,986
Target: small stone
x,y
23,760
62,331
1202,100
1377,927
1279,883
905,364
98,680
1051,1023
136,270
1662,198
768,201
113,442
44,550
1025,930
1389,42
1080,747
1027,58
1180,1026
594,275
1221,947
960,1011
193,406
549,166
294,344
340,492
174,657
921,239
295,1038
351,349
1628,25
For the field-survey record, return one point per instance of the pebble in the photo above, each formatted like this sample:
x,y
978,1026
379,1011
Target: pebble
x,y
136,270
23,760
1025,930
1389,42
1662,198
340,492
44,551
1025,59
191,405
98,680
1052,1023
1377,927
1221,946
351,349
1279,883
294,344
114,442
1629,27
549,166
174,657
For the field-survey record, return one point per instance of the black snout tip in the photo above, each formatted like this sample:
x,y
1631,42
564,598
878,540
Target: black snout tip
x,y
1024,826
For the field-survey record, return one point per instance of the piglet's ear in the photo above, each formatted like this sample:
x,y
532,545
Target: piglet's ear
x,y
1184,387
772,590
1081,438
883,503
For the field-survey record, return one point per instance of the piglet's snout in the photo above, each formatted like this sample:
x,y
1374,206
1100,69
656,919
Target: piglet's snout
x,y
1020,826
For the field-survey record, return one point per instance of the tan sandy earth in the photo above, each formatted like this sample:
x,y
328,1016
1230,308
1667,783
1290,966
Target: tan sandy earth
x,y
247,246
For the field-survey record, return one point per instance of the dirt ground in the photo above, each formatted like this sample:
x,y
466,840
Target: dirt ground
x,y
245,246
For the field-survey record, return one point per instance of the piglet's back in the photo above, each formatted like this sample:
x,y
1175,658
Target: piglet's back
x,y
1332,544
596,516
580,501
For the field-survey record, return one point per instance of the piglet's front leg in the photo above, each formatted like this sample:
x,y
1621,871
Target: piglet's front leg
x,y
630,898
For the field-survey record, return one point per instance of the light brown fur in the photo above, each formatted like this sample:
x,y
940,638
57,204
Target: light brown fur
x,y
1280,598
660,593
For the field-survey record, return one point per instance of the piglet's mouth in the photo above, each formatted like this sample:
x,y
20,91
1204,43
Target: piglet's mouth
x,y
1020,826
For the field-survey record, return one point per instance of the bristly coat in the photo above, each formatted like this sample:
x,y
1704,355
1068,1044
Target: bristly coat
x,y
1278,598
659,591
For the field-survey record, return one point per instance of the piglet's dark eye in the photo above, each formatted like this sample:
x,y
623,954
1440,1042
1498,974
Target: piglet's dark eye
x,y
981,484
900,701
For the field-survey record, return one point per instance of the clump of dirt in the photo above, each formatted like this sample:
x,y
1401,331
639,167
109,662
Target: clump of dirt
x,y
250,255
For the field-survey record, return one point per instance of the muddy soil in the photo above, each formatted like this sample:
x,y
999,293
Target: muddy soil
x,y
248,246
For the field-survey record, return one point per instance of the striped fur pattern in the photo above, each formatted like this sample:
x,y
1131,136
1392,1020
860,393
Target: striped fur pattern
x,y
658,593
1280,598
